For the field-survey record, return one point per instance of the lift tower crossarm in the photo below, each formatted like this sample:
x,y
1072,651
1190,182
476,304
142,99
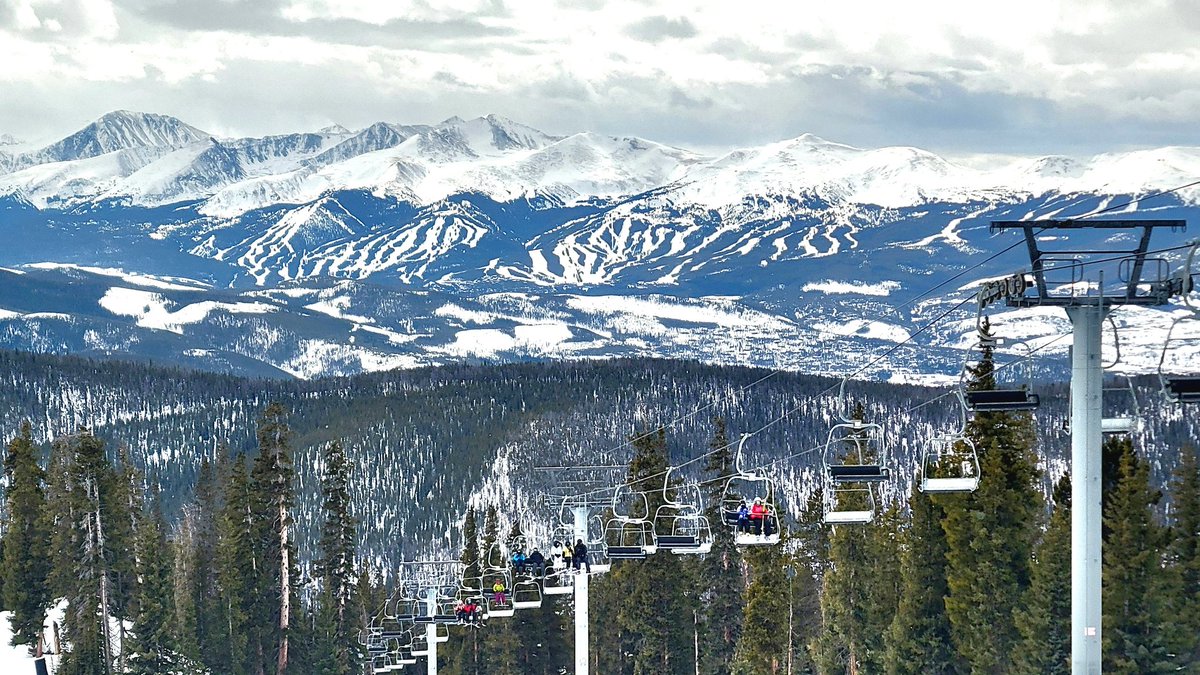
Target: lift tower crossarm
x,y
1043,260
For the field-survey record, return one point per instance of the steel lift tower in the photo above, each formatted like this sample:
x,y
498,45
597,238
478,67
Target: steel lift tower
x,y
1074,279
580,488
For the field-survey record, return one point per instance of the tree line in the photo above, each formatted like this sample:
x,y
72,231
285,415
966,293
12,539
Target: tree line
x,y
955,583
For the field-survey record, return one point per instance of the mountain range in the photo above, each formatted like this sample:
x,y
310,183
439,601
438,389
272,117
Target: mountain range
x,y
396,245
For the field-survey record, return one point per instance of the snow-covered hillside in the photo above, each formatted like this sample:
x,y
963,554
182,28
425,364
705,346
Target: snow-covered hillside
x,y
395,245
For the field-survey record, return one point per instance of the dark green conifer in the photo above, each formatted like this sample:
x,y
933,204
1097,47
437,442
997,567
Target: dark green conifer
x,y
1133,603
990,533
721,570
1183,561
918,640
24,550
1044,616
339,543
154,640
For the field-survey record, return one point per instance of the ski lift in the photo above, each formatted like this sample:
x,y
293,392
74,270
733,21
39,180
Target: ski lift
x,y
558,583
527,595
854,461
1182,387
628,537
950,463
745,485
680,526
997,400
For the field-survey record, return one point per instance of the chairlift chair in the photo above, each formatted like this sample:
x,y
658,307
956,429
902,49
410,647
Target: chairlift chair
x,y
629,537
1182,387
748,485
1006,399
527,595
561,583
680,525
951,463
854,461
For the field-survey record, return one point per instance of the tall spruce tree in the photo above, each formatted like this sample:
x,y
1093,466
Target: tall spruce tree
x,y
203,514
1133,635
274,497
339,542
239,568
1044,616
85,499
918,640
859,591
154,638
1183,561
763,647
990,533
24,550
721,570
464,650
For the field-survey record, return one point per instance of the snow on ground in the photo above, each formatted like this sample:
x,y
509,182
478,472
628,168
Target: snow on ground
x,y
336,307
16,660
165,283
866,329
657,309
829,287
6,314
551,338
152,310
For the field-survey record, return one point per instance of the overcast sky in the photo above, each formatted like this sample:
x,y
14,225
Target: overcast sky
x,y
953,76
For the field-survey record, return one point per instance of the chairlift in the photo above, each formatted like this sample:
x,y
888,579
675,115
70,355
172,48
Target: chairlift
x,y
750,485
951,463
527,594
629,537
854,460
558,583
1008,399
680,526
1182,387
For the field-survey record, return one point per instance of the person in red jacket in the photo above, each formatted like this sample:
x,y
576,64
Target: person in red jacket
x,y
760,517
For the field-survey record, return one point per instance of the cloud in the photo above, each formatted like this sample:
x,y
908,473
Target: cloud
x,y
658,28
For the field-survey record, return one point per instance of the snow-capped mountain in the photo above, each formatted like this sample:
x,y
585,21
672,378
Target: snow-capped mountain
x,y
339,250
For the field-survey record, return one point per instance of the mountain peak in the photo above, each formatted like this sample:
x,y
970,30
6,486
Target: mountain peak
x,y
9,139
119,130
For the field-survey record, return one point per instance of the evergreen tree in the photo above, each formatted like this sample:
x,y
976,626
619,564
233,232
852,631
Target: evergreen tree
x,y
464,654
202,515
24,550
1133,634
763,645
859,589
153,623
85,499
274,496
186,613
918,640
238,570
990,533
1183,557
339,542
721,571
1044,617
655,598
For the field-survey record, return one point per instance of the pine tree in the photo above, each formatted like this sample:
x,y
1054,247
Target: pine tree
x,y
656,599
1133,635
990,534
24,550
238,570
859,591
722,569
274,497
339,543
918,640
1183,558
85,500
153,624
763,645
202,514
464,655
1044,616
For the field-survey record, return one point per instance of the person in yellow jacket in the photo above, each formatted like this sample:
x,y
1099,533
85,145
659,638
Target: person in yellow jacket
x,y
498,590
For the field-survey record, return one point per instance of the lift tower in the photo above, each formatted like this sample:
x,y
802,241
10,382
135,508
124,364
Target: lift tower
x,y
580,488
1072,277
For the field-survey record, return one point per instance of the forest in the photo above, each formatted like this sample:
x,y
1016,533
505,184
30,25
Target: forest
x,y
267,556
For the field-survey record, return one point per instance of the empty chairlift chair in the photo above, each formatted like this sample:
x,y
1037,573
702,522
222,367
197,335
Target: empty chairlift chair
x,y
527,594
1007,398
629,537
680,525
950,463
1177,386
853,463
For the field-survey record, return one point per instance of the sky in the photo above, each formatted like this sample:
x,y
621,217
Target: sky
x,y
1021,76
